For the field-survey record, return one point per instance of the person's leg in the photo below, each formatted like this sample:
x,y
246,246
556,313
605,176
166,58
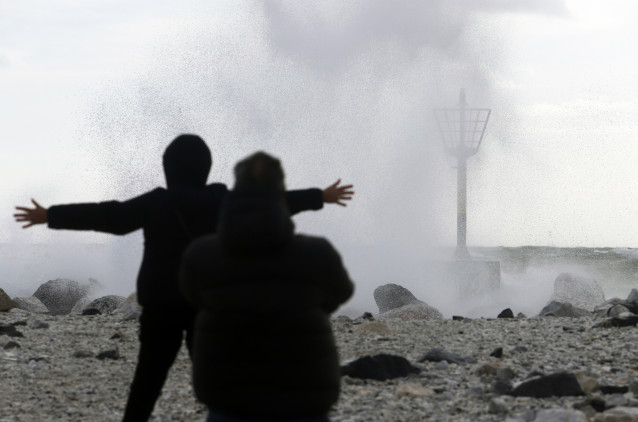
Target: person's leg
x,y
160,340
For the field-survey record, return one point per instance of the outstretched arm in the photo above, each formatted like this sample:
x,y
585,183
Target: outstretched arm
x,y
32,216
335,194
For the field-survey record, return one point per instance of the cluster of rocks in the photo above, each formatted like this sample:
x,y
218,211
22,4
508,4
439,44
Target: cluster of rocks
x,y
63,297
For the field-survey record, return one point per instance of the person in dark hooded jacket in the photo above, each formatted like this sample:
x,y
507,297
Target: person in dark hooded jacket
x,y
170,218
263,346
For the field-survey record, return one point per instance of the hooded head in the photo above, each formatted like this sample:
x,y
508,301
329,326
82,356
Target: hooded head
x,y
187,161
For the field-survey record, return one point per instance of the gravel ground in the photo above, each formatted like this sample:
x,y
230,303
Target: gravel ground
x,y
42,380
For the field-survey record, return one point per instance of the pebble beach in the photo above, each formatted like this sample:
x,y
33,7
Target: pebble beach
x,y
78,368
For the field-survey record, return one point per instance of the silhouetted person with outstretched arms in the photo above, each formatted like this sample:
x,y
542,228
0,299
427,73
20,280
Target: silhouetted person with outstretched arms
x,y
170,218
263,346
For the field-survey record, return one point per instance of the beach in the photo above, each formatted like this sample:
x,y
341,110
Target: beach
x,y
54,373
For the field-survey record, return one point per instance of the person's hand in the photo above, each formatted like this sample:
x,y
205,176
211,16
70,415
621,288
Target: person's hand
x,y
335,194
31,216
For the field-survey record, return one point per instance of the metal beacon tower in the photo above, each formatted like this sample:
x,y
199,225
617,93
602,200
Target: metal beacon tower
x,y
462,132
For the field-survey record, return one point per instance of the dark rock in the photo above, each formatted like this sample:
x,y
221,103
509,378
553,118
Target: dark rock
x,y
501,387
82,354
116,336
31,304
109,354
379,367
613,389
19,323
560,309
105,305
633,296
457,318
559,384
497,353
9,330
60,295
11,345
368,316
5,302
393,296
506,313
622,321
596,403
581,291
37,324
91,311
438,355
632,306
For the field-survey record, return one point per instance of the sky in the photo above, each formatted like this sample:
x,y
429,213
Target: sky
x,y
91,92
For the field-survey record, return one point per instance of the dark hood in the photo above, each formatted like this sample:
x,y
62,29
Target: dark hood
x,y
254,220
187,161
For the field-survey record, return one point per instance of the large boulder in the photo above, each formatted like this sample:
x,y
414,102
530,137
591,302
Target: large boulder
x,y
60,295
396,301
580,291
31,304
5,302
105,305
392,296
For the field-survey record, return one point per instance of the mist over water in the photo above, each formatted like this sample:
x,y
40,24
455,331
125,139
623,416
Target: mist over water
x,y
336,90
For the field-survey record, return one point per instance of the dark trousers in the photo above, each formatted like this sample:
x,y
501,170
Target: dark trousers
x,y
161,336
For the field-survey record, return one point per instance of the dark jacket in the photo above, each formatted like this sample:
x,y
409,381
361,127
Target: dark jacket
x,y
263,344
171,218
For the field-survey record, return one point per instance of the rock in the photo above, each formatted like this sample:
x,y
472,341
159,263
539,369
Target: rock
x,y
130,309
105,305
5,302
497,405
393,296
410,389
82,354
31,304
9,330
616,310
367,316
633,387
506,313
624,320
558,384
559,309
580,291
604,307
489,369
561,415
379,367
615,400
80,305
618,414
497,353
614,389
587,383
413,312
60,295
109,354
633,296
438,355
38,324
505,373
11,345
501,387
